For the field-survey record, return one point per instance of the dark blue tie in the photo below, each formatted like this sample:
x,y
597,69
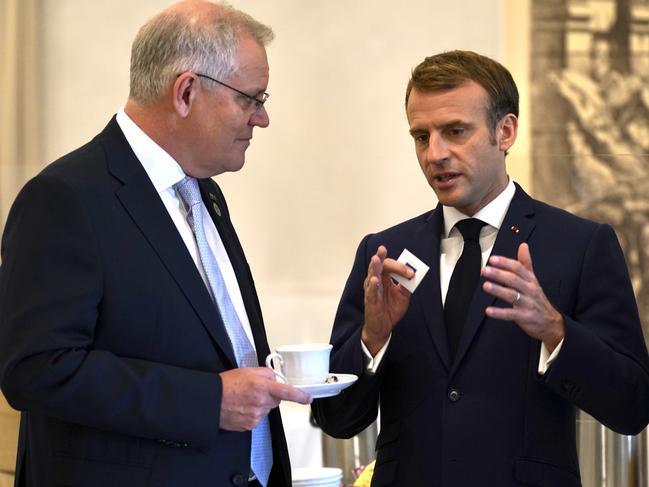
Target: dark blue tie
x,y
463,282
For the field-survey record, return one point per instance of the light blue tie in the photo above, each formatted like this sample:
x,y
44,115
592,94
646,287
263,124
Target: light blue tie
x,y
262,450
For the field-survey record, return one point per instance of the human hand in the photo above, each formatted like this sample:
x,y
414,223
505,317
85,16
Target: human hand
x,y
514,281
249,393
385,300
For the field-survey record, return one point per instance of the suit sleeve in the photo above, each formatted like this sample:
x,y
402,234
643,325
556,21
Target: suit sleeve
x,y
603,365
352,411
50,291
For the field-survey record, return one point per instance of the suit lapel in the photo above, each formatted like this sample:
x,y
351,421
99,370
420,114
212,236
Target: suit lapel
x,y
515,229
143,204
425,246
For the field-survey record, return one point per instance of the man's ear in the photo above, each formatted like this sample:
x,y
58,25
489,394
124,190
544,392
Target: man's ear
x,y
184,92
507,131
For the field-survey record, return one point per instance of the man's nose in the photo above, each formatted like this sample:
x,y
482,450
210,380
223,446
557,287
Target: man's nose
x,y
438,151
259,118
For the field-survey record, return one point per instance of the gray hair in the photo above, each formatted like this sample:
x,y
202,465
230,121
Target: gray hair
x,y
175,41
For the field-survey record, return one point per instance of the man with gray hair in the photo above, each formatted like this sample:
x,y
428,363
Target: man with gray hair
x,y
130,330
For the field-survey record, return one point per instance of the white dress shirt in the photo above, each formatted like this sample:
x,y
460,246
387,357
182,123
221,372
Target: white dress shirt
x,y
452,242
164,172
451,246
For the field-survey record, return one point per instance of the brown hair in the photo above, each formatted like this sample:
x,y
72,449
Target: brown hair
x,y
449,70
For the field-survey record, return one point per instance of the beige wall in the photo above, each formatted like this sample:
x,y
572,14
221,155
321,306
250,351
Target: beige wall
x,y
336,162
8,437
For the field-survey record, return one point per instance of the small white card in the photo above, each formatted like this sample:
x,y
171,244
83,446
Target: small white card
x,y
416,265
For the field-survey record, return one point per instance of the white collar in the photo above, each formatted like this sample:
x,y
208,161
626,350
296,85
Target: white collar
x,y
162,169
492,214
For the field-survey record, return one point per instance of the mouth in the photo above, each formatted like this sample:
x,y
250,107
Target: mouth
x,y
445,177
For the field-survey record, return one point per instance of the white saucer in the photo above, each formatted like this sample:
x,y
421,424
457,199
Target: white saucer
x,y
309,476
330,389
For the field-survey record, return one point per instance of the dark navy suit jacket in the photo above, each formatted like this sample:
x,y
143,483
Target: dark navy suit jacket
x,y
109,342
489,418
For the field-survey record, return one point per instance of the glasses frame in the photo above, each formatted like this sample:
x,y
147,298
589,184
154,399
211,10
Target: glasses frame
x,y
258,102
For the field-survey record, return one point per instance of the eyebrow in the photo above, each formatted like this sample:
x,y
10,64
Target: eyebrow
x,y
458,121
451,123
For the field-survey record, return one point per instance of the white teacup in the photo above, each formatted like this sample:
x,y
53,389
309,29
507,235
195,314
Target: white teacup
x,y
301,364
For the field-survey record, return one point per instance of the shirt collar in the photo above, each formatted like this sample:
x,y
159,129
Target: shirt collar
x,y
492,214
162,169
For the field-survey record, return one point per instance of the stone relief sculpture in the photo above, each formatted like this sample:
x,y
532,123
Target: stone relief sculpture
x,y
590,146
590,75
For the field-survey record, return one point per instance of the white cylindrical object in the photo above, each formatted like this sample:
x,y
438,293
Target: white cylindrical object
x,y
317,477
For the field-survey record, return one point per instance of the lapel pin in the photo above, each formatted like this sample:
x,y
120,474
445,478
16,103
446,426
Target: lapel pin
x,y
214,205
515,229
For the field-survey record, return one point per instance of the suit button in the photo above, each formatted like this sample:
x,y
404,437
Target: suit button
x,y
238,479
453,395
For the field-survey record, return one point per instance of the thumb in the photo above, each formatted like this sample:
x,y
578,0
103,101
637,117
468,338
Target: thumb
x,y
285,392
524,257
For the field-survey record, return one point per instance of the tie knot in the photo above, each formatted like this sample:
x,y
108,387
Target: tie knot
x,y
470,228
189,191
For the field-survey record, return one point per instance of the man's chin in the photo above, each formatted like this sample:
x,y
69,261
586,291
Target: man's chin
x,y
449,197
235,166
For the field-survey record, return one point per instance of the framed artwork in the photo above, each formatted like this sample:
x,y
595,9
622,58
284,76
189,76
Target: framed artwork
x,y
589,91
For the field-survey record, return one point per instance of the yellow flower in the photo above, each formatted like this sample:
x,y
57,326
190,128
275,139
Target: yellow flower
x,y
365,478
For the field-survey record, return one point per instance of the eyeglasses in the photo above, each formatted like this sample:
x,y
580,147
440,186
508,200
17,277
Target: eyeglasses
x,y
258,102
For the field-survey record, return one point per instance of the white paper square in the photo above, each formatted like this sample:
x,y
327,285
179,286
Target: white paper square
x,y
414,263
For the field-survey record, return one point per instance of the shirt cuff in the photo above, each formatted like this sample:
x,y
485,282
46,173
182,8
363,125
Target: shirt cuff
x,y
546,359
372,363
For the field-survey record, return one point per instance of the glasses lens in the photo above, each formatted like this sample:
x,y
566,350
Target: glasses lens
x,y
259,102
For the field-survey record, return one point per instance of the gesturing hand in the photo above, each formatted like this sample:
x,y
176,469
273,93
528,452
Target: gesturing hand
x,y
514,281
249,393
385,301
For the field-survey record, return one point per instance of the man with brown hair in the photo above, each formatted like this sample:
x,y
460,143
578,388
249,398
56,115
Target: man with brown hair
x,y
130,330
527,312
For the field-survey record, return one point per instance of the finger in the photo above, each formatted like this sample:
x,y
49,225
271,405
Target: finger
x,y
494,289
505,278
394,266
524,257
375,267
378,257
382,252
503,293
504,314
285,392
510,265
504,263
375,288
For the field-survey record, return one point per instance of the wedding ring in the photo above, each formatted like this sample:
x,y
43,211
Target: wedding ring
x,y
518,297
